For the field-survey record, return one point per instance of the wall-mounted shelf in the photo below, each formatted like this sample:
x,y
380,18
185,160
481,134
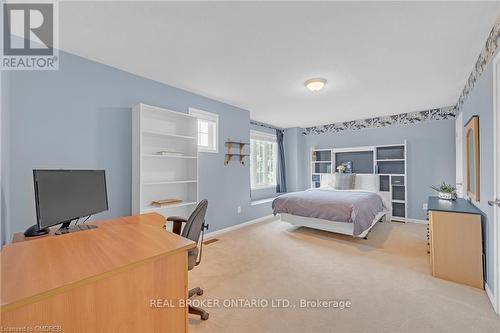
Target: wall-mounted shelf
x,y
236,143
241,154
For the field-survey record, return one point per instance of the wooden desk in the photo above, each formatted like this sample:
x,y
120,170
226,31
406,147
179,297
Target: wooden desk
x,y
456,241
98,280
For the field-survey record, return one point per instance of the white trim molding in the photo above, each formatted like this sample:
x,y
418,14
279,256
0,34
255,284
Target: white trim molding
x,y
241,225
495,297
268,139
263,136
491,296
417,221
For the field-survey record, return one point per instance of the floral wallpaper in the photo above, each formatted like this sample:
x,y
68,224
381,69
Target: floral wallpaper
x,y
486,55
398,119
489,50
258,123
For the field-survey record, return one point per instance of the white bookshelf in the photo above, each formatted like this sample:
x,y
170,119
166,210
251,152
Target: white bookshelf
x,y
321,163
394,179
156,176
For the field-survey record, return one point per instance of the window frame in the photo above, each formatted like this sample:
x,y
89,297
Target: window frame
x,y
207,116
264,136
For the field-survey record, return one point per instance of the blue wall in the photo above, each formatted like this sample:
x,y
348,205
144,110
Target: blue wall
x,y
80,117
4,152
480,102
431,155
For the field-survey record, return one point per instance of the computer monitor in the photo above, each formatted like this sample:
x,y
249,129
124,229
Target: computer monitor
x,y
62,196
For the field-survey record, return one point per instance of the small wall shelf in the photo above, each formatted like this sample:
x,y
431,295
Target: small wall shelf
x,y
241,154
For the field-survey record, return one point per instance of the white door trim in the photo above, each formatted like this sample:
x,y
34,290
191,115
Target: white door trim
x,y
459,126
496,189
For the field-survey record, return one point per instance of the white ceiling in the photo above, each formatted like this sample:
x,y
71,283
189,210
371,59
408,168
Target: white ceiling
x,y
379,58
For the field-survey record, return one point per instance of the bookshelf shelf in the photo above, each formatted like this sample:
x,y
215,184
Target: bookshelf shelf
x,y
168,156
151,208
169,182
156,133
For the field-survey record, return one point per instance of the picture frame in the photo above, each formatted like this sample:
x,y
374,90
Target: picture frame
x,y
472,158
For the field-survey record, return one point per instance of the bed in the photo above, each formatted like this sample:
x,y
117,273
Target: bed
x,y
353,211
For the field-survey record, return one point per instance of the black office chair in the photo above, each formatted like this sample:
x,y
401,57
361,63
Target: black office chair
x,y
195,226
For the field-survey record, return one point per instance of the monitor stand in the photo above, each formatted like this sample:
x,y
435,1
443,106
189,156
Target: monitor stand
x,y
66,228
33,231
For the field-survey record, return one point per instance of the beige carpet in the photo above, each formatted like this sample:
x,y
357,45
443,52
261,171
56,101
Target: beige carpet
x,y
387,279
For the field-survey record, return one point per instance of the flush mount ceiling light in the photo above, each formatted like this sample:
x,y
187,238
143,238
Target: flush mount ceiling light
x,y
315,84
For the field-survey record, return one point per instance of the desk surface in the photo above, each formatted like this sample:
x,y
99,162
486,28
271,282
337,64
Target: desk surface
x,y
459,205
41,267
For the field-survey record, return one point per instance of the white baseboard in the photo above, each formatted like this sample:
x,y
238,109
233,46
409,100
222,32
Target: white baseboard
x,y
491,296
238,226
417,221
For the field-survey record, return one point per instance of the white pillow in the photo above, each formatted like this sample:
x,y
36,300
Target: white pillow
x,y
367,182
344,181
327,180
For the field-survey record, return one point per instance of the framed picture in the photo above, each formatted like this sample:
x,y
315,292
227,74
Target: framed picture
x,y
472,157
348,166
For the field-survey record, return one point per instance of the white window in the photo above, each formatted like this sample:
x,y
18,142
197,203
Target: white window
x,y
263,157
208,130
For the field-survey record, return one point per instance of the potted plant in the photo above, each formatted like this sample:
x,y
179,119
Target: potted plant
x,y
445,191
341,168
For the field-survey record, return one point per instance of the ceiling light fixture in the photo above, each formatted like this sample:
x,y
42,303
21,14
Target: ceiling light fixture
x,y
315,84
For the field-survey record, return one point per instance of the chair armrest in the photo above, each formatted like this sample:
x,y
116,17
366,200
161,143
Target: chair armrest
x,y
176,219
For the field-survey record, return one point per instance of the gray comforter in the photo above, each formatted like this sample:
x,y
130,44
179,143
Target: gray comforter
x,y
358,207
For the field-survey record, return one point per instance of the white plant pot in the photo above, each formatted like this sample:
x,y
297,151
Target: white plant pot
x,y
447,196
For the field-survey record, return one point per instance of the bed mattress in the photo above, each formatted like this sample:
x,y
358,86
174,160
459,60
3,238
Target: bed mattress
x,y
349,206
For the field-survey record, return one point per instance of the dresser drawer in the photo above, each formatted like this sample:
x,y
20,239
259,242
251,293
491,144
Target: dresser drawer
x,y
397,180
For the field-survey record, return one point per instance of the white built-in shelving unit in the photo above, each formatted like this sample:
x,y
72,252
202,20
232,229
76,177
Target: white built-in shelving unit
x,y
389,163
156,176
391,166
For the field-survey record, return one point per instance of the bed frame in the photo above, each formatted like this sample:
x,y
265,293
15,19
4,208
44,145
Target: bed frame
x,y
368,182
326,225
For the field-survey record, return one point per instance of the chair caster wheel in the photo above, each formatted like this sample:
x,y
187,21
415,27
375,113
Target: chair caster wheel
x,y
199,293
204,316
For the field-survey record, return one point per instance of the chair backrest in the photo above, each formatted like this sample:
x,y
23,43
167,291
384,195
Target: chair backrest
x,y
192,230
195,222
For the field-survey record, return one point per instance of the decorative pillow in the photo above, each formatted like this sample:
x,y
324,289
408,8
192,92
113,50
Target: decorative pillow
x,y
327,180
344,181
